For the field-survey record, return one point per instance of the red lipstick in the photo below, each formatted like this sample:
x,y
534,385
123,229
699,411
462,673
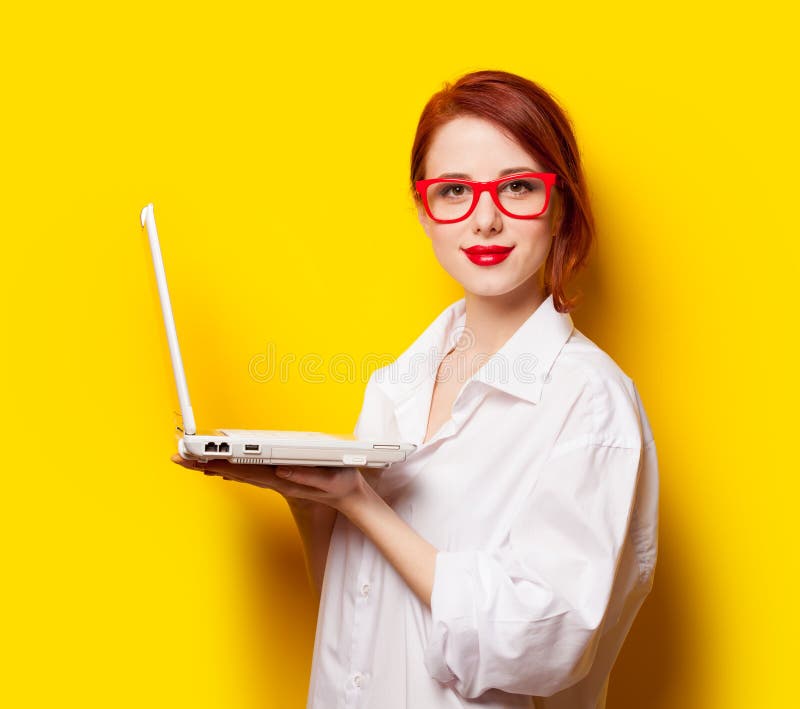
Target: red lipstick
x,y
487,255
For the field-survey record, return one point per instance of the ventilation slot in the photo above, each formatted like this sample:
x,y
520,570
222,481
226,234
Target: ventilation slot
x,y
248,460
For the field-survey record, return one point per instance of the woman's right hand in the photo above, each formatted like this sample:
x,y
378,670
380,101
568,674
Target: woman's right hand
x,y
332,485
258,475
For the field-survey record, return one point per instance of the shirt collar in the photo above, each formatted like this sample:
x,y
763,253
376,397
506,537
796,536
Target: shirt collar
x,y
520,367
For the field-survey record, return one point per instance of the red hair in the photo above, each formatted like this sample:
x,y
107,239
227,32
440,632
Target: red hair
x,y
524,111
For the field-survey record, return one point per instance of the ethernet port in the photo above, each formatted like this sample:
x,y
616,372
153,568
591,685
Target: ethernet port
x,y
211,447
224,448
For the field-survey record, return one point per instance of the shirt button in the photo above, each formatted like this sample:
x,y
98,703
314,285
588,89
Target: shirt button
x,y
357,679
365,589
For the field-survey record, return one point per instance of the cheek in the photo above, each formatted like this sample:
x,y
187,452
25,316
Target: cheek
x,y
442,238
445,244
446,249
534,248
442,251
541,242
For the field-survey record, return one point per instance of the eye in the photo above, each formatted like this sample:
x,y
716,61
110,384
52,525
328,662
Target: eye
x,y
452,190
521,187
518,186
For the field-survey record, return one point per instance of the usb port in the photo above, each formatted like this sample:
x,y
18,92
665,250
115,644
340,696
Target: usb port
x,y
252,448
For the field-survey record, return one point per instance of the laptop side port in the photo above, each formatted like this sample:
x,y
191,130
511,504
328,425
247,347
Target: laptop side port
x,y
252,448
224,447
211,447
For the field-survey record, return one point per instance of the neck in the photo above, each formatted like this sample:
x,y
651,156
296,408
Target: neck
x,y
492,319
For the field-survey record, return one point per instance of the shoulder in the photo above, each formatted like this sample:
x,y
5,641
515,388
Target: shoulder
x,y
598,402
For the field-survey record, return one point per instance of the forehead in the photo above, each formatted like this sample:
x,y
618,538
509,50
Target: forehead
x,y
476,147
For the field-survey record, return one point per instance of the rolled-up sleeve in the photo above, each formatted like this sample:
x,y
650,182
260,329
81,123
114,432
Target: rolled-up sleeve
x,y
527,616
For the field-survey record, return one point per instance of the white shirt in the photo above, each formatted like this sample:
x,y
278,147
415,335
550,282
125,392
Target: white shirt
x,y
541,495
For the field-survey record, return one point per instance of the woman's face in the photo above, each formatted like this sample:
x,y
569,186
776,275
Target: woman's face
x,y
477,150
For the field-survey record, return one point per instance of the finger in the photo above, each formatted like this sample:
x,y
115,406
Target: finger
x,y
181,461
240,473
190,464
310,475
290,489
187,462
269,481
266,481
230,471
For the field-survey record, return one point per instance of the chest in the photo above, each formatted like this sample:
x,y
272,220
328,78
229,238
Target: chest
x,y
445,391
482,453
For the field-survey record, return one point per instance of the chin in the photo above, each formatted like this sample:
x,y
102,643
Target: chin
x,y
494,283
488,281
488,286
487,292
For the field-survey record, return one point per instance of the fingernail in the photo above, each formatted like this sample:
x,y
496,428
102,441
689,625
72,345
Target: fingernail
x,y
283,472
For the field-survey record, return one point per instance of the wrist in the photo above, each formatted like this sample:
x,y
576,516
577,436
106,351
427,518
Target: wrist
x,y
359,501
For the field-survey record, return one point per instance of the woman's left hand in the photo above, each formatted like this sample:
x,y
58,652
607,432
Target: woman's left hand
x,y
335,487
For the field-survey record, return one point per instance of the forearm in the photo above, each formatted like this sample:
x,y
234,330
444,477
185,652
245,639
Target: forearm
x,y
413,557
315,522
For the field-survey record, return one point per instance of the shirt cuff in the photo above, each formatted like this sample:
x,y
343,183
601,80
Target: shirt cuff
x,y
453,639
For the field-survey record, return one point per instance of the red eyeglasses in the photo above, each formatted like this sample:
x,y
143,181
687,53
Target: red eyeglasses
x,y
522,196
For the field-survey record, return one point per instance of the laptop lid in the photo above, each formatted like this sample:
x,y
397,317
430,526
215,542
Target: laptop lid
x,y
149,221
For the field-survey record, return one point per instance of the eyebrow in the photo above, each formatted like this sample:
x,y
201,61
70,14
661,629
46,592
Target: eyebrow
x,y
464,176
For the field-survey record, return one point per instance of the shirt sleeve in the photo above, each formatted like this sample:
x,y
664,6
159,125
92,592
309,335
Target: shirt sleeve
x,y
526,617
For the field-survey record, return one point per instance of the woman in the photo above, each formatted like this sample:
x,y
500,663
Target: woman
x,y
503,563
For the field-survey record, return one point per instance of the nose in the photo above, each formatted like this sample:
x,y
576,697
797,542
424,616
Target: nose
x,y
487,218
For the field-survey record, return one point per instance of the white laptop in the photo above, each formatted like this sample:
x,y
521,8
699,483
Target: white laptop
x,y
267,447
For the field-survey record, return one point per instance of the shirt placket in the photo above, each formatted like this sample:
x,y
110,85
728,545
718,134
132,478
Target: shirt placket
x,y
359,672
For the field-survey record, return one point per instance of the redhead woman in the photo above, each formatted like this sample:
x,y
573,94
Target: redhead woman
x,y
503,563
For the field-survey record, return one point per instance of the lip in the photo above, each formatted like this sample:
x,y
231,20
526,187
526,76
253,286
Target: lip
x,y
482,255
488,249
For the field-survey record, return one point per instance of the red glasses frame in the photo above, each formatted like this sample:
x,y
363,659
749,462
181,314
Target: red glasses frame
x,y
478,188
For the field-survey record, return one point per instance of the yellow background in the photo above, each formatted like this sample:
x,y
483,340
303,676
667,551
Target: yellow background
x,y
262,135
